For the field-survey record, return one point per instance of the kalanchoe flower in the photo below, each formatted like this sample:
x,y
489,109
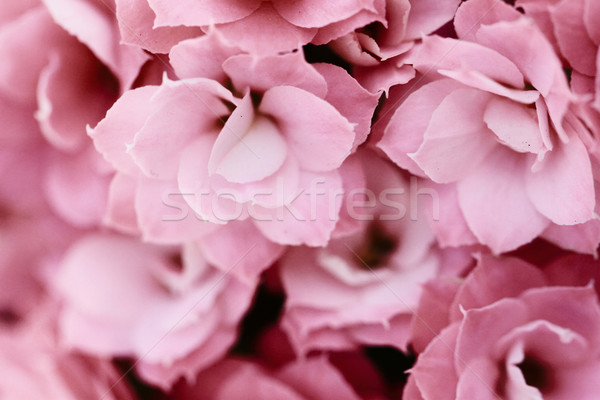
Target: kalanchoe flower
x,y
122,298
260,152
507,331
522,164
362,288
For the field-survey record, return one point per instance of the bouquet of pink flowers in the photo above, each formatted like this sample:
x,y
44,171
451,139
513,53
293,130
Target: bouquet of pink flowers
x,y
284,200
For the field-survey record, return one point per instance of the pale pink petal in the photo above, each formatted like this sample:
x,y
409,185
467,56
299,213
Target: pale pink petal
x,y
266,32
535,58
406,129
94,24
260,74
427,16
499,211
310,218
136,20
210,12
316,133
383,76
313,13
77,187
581,238
482,326
350,99
217,206
478,381
467,135
590,13
120,210
514,125
239,248
434,373
472,15
116,131
21,67
338,29
249,147
572,36
432,314
494,279
211,351
164,215
563,187
315,378
182,110
438,53
448,222
202,57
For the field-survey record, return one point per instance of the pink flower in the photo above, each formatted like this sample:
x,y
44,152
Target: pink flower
x,y
261,152
362,288
124,298
513,153
505,333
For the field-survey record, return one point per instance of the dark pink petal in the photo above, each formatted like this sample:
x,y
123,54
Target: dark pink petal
x,y
467,135
266,32
316,133
202,57
350,99
499,211
314,13
562,189
406,129
210,12
136,20
260,74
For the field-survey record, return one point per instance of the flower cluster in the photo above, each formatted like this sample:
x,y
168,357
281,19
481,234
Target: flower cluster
x,y
251,199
